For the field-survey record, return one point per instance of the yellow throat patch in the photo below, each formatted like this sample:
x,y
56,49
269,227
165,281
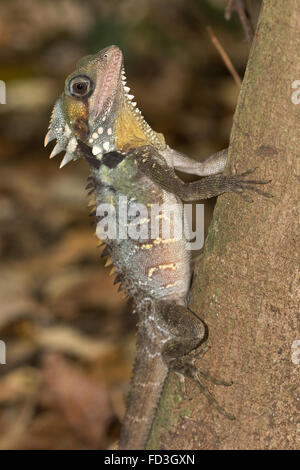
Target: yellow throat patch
x,y
133,131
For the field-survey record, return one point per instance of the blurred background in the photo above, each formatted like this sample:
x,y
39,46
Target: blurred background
x,y
69,333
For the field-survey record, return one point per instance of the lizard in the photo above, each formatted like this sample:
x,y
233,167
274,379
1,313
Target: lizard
x,y
96,119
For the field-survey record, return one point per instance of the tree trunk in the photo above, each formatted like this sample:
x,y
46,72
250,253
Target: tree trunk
x,y
246,287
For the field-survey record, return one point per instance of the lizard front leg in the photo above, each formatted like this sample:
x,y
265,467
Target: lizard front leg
x,y
212,165
150,161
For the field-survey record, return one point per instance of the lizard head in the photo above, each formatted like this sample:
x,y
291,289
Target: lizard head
x,y
85,112
95,113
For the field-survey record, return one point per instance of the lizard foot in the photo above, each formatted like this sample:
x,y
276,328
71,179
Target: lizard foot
x,y
238,185
187,369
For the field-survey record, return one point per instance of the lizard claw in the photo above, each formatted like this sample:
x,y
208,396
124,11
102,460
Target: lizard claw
x,y
214,380
211,399
239,185
248,172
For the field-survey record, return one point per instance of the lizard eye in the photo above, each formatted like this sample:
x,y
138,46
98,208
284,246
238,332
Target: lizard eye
x,y
80,86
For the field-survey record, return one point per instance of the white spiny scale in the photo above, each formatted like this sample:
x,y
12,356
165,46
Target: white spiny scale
x,y
112,271
126,89
96,150
67,131
106,146
57,149
130,97
48,137
67,158
123,77
71,147
108,262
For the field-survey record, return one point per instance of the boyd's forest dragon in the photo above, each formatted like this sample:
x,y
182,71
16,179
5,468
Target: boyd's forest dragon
x,y
96,118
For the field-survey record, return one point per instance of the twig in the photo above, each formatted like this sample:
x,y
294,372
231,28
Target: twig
x,y
224,56
239,7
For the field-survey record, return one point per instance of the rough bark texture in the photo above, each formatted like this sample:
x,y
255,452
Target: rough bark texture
x,y
246,287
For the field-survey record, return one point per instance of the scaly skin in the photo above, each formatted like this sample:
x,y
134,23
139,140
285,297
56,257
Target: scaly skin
x,y
96,118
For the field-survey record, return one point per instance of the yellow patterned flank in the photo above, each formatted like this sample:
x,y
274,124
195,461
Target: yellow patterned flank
x,y
168,266
146,246
162,267
159,241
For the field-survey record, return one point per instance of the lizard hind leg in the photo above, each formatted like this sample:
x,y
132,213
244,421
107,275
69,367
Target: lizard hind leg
x,y
187,336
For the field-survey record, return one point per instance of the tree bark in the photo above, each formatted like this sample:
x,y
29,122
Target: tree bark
x,y
246,287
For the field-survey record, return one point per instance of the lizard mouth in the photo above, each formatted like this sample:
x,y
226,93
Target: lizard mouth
x,y
106,85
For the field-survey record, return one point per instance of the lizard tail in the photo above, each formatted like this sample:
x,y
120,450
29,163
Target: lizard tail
x,y
149,374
